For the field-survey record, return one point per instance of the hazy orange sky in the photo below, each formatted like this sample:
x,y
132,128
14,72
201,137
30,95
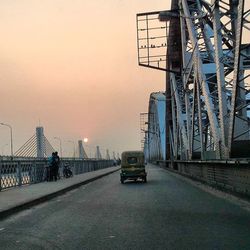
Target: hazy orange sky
x,y
72,64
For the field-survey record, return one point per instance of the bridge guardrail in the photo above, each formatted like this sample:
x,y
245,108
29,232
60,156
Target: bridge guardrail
x,y
231,175
15,173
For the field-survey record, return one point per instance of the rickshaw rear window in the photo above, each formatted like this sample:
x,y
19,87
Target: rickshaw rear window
x,y
132,160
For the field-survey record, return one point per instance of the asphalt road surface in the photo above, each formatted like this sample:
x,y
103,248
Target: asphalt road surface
x,y
165,213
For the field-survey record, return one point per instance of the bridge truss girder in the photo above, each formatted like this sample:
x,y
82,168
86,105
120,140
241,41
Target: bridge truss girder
x,y
213,80
209,96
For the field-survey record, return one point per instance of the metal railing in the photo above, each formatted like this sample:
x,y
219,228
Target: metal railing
x,y
232,175
15,173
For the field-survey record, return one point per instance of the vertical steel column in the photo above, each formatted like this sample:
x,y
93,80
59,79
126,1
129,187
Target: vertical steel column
x,y
220,80
193,120
0,176
19,173
187,101
80,149
179,112
174,124
168,116
200,117
147,37
202,79
236,79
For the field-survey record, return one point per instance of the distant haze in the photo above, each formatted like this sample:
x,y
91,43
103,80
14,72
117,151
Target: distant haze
x,y
72,65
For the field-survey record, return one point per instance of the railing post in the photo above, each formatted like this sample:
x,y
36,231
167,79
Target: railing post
x,y
78,167
89,163
33,173
83,166
0,177
19,173
74,167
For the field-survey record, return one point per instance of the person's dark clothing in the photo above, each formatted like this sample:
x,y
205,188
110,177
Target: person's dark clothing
x,y
50,168
56,163
53,168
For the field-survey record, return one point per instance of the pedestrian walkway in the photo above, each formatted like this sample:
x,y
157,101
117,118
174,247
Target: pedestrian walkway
x,y
18,198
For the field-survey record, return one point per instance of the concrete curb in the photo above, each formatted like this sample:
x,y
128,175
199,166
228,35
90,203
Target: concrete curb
x,y
6,213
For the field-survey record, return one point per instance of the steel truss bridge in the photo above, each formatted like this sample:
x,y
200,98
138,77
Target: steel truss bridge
x,y
201,45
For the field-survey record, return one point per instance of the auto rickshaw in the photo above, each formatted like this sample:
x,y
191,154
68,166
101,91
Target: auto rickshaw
x,y
132,166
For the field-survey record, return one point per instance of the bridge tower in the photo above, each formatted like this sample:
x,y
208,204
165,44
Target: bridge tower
x,y
98,153
82,153
107,155
37,146
40,142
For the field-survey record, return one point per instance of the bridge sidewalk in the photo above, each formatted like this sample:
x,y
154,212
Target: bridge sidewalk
x,y
19,198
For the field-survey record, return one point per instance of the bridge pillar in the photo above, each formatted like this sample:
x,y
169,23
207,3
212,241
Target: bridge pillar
x,y
98,153
40,143
80,149
107,155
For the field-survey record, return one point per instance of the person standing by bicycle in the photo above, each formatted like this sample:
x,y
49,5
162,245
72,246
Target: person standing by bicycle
x,y
56,164
51,169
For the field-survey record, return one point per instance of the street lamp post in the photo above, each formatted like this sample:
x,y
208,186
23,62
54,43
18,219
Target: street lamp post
x,y
60,143
11,138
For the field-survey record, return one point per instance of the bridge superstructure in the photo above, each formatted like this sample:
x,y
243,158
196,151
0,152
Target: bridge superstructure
x,y
29,165
199,44
38,146
153,128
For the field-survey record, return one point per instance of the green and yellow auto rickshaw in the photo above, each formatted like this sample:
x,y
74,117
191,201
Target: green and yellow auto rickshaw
x,y
133,166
